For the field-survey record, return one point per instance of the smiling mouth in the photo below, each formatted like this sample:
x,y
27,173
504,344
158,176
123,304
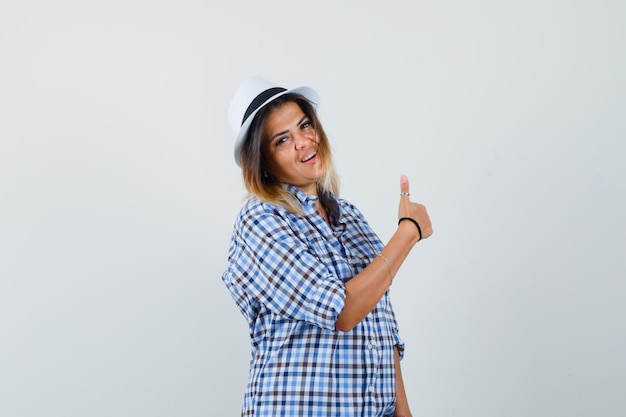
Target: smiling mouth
x,y
309,157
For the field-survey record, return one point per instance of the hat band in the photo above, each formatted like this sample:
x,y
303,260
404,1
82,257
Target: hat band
x,y
260,99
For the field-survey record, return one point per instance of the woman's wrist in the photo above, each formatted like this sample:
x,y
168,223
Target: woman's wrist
x,y
407,230
412,220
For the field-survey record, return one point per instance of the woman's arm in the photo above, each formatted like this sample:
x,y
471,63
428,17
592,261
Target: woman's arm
x,y
366,289
402,403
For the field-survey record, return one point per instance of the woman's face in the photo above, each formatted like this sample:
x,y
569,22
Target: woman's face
x,y
290,147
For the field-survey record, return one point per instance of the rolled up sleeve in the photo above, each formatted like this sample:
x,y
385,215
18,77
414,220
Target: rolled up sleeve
x,y
272,266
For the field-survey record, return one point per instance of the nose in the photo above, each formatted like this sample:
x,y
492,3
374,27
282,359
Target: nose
x,y
301,141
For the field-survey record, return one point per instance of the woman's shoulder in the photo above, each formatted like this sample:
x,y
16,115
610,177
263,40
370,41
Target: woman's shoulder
x,y
254,204
261,218
254,207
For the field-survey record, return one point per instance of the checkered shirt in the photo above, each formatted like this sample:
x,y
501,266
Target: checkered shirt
x,y
286,274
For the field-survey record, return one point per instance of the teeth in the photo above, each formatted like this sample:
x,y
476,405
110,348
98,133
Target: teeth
x,y
309,156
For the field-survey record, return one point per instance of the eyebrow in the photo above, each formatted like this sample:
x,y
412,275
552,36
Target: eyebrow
x,y
287,131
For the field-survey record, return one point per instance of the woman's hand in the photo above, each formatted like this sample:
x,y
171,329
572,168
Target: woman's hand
x,y
413,211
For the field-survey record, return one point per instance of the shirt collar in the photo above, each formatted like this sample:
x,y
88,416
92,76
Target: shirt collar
x,y
304,199
308,203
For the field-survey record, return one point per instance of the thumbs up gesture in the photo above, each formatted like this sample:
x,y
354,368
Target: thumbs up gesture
x,y
413,213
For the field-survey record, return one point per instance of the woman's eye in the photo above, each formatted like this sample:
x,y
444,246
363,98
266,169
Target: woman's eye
x,y
282,140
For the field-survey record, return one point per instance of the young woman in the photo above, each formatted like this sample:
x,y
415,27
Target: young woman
x,y
306,270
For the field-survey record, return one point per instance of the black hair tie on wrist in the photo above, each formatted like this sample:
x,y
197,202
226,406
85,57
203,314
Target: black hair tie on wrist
x,y
419,229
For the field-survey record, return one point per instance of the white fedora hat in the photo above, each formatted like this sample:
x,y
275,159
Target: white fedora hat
x,y
252,94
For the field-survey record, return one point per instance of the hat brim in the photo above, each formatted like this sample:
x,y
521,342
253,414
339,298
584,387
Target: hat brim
x,y
307,92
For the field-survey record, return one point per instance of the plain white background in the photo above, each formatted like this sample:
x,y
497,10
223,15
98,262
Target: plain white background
x,y
118,192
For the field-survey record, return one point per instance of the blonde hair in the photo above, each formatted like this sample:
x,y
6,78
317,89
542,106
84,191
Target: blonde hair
x,y
254,167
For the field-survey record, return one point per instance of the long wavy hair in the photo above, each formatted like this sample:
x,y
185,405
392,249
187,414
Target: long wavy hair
x,y
256,176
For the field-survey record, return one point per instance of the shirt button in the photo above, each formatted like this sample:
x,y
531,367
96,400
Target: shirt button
x,y
370,388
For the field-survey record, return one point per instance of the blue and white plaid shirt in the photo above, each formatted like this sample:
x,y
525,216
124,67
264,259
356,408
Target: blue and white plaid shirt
x,y
287,275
